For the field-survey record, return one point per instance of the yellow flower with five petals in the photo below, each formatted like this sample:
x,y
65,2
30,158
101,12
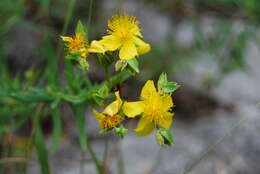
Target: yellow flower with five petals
x,y
154,107
110,117
124,35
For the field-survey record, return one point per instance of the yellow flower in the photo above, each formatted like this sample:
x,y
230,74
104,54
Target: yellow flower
x,y
124,34
154,108
79,43
110,117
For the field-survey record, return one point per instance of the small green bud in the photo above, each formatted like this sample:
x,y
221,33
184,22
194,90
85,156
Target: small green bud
x,y
164,137
121,131
83,64
120,65
100,95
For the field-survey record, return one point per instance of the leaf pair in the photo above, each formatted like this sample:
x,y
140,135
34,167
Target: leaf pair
x,y
165,86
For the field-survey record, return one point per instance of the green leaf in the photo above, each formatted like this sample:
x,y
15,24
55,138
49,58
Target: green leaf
x,y
81,29
41,150
75,99
55,103
79,111
133,63
100,95
33,95
162,81
164,137
57,127
165,86
168,137
170,87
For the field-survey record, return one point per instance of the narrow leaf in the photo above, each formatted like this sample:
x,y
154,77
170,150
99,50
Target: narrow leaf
x,y
41,150
57,127
133,63
79,111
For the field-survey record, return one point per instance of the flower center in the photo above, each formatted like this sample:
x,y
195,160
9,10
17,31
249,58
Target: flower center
x,y
110,121
153,108
77,43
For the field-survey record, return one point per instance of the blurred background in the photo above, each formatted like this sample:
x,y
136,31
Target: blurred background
x,y
210,47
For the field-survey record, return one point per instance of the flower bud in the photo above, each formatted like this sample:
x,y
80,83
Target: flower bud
x,y
120,65
164,137
120,131
83,64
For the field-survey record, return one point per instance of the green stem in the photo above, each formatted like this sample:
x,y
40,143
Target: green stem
x,y
90,13
105,152
66,23
97,163
120,159
214,145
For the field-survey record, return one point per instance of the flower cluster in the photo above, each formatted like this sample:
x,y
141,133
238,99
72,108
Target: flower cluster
x,y
124,40
124,36
153,109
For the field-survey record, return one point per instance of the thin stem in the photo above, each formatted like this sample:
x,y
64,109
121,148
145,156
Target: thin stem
x,y
66,23
105,155
214,145
120,159
97,163
90,13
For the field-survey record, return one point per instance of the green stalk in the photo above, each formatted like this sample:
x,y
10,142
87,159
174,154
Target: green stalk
x,y
99,167
66,23
214,145
90,13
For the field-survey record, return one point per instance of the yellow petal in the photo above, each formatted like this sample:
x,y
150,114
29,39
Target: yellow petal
x,y
167,121
98,116
66,39
128,51
84,52
118,98
167,102
111,42
144,127
148,89
132,109
96,47
114,107
141,46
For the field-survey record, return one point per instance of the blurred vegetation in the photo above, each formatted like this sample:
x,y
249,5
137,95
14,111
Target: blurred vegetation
x,y
29,92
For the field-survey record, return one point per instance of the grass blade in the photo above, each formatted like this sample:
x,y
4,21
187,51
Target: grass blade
x,y
57,127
